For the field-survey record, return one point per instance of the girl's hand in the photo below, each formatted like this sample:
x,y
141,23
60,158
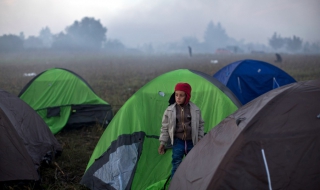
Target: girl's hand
x,y
161,149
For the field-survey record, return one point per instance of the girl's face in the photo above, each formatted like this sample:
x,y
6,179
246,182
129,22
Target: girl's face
x,y
180,97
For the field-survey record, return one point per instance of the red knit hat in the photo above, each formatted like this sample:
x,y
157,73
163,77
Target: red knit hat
x,y
185,87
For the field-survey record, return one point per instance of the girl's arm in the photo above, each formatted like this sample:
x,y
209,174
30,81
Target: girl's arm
x,y
164,134
201,128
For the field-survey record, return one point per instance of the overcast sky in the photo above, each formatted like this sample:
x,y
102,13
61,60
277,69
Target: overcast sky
x,y
135,22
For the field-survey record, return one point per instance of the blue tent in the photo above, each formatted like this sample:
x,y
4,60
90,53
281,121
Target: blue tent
x,y
248,79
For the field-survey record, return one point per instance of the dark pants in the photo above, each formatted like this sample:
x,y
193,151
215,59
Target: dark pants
x,y
179,149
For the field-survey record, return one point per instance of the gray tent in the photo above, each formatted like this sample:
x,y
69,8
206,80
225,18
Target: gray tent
x,y
273,142
25,140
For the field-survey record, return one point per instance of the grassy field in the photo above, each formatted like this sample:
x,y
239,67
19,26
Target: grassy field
x,y
115,79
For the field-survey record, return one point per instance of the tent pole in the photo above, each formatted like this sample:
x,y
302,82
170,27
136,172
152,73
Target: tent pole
x,y
239,85
275,83
267,170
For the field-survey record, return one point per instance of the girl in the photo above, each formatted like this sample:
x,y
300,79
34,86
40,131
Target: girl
x,y
182,123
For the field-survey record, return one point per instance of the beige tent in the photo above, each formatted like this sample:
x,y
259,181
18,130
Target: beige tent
x,y
273,142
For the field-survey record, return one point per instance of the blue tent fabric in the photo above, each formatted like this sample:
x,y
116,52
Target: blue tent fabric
x,y
248,79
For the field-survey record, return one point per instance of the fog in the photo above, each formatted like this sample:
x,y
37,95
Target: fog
x,y
138,23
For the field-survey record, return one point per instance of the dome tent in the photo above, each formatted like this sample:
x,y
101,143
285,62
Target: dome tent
x,y
126,155
25,140
272,142
248,79
62,98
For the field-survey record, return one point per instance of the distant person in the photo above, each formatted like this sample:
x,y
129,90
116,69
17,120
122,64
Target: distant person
x,y
182,125
278,58
190,51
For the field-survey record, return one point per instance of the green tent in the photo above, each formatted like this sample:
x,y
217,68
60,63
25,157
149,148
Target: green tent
x,y
126,156
62,98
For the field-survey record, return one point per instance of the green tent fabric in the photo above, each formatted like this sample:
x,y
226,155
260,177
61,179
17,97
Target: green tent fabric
x,y
126,156
62,98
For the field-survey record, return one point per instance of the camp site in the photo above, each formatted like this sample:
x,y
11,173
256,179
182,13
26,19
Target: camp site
x,y
280,148
137,89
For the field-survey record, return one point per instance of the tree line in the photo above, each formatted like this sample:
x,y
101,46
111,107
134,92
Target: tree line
x,y
90,35
294,44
